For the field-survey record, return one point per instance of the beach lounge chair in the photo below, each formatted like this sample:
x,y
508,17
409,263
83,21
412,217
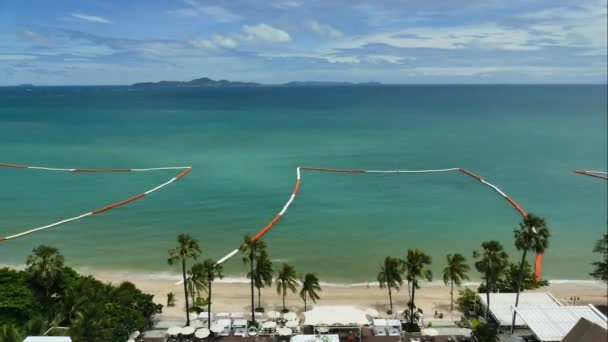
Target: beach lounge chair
x,y
380,327
394,327
239,327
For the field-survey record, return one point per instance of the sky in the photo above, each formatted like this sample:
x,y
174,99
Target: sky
x,y
65,42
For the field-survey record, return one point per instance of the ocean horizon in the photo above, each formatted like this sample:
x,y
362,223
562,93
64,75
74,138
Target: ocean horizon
x,y
244,145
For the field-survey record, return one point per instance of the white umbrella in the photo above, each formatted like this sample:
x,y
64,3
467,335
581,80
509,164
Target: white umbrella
x,y
290,316
203,315
216,328
284,331
202,333
273,314
269,325
430,332
371,312
292,324
174,331
187,331
134,334
130,340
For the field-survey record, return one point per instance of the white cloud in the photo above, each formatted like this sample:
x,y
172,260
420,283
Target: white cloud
x,y
528,70
390,59
15,57
224,41
91,18
323,29
264,33
343,59
197,9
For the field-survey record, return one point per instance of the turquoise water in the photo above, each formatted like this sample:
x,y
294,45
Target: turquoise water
x,y
245,143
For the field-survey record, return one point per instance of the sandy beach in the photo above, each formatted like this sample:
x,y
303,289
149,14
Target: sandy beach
x,y
235,296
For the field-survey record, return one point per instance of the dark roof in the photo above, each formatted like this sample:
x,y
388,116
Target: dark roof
x,y
586,331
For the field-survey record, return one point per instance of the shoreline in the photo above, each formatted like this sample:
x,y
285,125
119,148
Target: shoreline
x,y
234,296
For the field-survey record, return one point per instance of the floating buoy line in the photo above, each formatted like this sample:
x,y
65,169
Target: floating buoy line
x,y
184,170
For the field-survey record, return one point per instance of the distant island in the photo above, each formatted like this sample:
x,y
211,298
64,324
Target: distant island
x,y
199,82
207,82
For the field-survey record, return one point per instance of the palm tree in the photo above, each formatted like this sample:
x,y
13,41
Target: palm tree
x,y
492,262
286,280
211,270
45,266
454,273
532,235
196,280
262,273
251,249
187,248
416,263
390,277
310,286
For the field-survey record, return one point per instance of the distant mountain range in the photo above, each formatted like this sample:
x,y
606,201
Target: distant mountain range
x,y
207,82
199,82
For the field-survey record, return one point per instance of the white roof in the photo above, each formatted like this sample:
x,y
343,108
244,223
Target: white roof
x,y
501,304
379,322
335,315
239,323
394,323
47,339
550,323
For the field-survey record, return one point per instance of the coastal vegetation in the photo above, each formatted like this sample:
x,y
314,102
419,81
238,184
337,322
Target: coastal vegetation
x,y
310,288
532,236
286,279
187,248
251,250
454,273
390,277
416,268
48,295
262,275
492,262
211,270
600,270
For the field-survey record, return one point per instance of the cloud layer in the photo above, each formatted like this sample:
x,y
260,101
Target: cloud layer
x,y
280,40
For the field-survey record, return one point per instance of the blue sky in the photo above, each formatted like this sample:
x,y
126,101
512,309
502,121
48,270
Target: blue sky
x,y
273,41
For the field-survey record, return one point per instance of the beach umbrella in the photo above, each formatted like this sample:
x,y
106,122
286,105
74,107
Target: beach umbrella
x,y
187,331
292,324
273,314
430,332
371,312
284,331
202,333
174,331
269,325
134,335
130,340
203,315
216,328
290,316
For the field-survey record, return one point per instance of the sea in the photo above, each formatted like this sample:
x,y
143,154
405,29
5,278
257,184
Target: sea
x,y
245,143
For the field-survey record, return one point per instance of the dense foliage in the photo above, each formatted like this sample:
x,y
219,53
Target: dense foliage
x,y
484,332
467,300
507,280
600,270
48,294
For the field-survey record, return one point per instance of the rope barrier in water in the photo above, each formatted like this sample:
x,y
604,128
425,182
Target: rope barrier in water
x,y
596,174
296,188
184,171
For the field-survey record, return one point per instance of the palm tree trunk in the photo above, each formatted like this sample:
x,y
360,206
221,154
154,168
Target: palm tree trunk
x,y
284,293
305,301
487,296
452,295
209,307
252,295
390,298
412,302
185,291
259,298
519,281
